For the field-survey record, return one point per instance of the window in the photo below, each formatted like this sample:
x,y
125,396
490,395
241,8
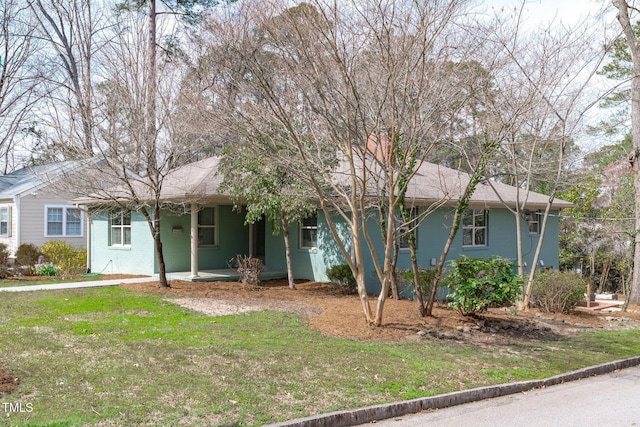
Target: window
x,y
533,218
309,232
62,221
207,227
474,228
5,221
405,230
121,228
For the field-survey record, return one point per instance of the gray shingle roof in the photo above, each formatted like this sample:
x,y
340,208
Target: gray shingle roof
x,y
433,183
23,180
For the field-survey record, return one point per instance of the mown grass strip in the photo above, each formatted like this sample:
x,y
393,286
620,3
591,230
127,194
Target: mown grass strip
x,y
109,356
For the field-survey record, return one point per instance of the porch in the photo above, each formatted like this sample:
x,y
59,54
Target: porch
x,y
222,275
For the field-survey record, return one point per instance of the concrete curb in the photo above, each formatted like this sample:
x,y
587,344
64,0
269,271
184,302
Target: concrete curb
x,y
398,409
74,285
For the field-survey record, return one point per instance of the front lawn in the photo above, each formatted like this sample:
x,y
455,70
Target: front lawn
x,y
110,357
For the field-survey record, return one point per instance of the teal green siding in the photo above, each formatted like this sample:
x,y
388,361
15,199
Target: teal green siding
x,y
139,258
309,264
232,239
432,235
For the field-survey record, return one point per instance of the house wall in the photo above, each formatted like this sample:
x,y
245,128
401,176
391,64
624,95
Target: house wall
x,y
33,220
501,237
308,264
432,235
232,237
139,258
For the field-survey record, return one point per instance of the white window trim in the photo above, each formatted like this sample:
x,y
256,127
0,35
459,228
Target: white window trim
x,y
64,221
473,228
302,227
111,216
9,220
214,226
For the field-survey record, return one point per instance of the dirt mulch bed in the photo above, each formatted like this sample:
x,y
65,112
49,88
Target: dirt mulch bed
x,y
7,382
331,312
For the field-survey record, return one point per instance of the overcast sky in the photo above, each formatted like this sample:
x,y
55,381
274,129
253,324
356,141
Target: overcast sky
x,y
544,11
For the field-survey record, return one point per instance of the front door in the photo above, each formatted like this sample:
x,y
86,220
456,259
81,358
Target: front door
x,y
258,230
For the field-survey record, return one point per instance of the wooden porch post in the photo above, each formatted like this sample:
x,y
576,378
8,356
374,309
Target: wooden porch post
x,y
194,240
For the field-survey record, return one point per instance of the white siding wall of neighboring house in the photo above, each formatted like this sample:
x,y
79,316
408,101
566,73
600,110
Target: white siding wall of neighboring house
x,y
33,220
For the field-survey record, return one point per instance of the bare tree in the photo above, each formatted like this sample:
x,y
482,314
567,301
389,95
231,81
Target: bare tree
x,y
74,31
18,82
543,96
362,93
625,11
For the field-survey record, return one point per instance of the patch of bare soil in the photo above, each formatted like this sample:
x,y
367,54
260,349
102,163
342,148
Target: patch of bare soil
x,y
330,311
7,382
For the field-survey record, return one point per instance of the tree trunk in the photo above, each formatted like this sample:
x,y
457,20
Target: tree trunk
x,y
604,276
455,225
287,248
416,278
394,277
634,48
154,226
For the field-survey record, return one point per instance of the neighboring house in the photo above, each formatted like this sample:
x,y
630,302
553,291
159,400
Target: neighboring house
x,y
121,241
34,210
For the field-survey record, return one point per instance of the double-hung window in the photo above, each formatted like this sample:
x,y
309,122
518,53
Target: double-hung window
x,y
309,232
533,218
5,221
474,228
120,224
207,227
62,221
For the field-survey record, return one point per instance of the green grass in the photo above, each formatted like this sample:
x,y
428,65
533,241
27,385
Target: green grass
x,y
108,357
45,280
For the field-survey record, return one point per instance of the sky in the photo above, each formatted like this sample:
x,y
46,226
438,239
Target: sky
x,y
545,11
569,13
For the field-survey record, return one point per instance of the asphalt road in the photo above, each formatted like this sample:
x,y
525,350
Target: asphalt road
x,y
607,400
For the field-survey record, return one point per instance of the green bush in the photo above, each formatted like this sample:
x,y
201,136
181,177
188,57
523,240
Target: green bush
x,y
425,278
26,258
46,270
480,283
557,291
68,259
4,254
343,276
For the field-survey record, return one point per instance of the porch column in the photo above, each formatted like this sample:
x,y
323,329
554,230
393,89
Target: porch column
x,y
194,240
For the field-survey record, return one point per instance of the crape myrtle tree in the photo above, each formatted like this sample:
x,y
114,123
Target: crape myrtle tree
x,y
266,189
543,96
18,79
360,90
128,85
